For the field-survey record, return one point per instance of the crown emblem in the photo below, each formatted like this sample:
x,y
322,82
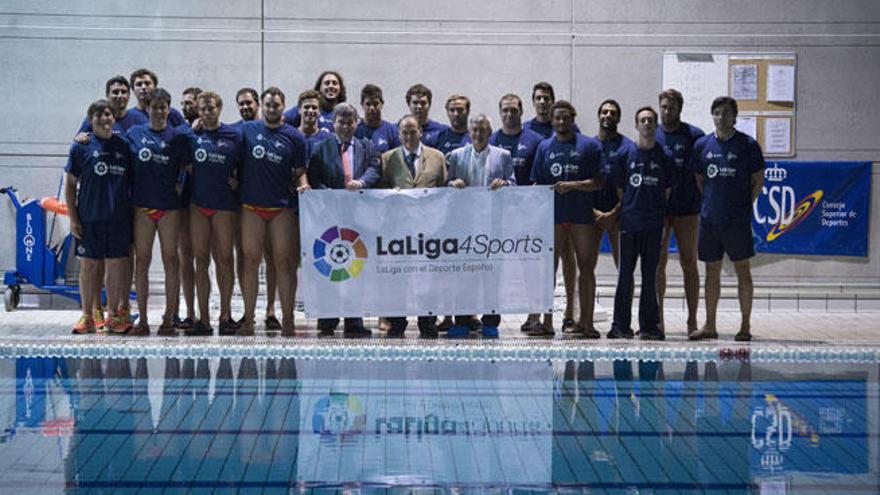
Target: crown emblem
x,y
775,174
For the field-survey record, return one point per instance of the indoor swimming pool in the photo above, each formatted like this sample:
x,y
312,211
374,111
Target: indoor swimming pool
x,y
734,424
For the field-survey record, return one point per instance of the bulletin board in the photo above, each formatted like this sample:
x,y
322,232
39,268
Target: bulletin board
x,y
764,85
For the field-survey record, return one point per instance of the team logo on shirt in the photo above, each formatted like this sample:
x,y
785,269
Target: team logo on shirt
x,y
258,151
339,254
635,180
731,156
711,171
201,155
145,154
556,169
382,142
101,169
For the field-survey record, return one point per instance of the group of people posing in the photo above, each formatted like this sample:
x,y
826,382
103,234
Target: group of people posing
x,y
211,189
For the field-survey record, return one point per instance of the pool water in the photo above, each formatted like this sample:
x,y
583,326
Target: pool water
x,y
90,425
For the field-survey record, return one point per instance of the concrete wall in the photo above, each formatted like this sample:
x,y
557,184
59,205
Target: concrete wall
x,y
57,55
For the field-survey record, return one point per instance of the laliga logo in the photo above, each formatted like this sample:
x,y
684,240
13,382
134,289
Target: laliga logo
x,y
635,180
201,155
712,170
145,154
100,169
556,169
339,254
338,415
786,213
259,152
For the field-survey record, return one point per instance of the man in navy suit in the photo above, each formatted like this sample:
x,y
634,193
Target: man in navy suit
x,y
344,162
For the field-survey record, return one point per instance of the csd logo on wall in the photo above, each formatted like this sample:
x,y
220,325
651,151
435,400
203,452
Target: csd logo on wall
x,y
101,169
258,151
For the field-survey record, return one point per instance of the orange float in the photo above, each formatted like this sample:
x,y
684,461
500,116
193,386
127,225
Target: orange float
x,y
54,205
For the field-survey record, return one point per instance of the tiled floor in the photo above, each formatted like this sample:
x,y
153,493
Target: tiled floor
x,y
776,328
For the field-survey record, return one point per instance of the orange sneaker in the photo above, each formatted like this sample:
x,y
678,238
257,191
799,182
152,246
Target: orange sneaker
x,y
86,324
119,324
100,320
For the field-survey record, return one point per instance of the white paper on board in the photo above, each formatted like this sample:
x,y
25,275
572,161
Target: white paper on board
x,y
745,82
777,135
747,125
780,83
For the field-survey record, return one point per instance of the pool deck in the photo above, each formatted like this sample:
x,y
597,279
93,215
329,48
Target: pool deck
x,y
815,336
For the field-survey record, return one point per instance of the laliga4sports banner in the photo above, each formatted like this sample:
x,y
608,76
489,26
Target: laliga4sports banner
x,y
813,208
427,251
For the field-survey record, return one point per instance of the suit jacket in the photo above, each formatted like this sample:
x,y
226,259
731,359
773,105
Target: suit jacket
x,y
325,164
430,171
499,165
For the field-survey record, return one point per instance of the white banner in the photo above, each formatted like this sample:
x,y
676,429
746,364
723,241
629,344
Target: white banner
x,y
427,251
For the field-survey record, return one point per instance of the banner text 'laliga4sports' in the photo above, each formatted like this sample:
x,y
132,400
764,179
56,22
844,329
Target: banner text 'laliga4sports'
x,y
427,251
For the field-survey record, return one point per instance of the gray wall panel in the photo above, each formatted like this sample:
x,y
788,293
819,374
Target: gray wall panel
x,y
57,55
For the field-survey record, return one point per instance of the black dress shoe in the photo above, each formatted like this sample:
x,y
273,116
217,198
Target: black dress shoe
x,y
356,332
199,329
655,335
445,325
429,331
229,327
616,333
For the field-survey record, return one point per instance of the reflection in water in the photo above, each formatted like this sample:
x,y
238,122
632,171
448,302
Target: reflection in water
x,y
181,426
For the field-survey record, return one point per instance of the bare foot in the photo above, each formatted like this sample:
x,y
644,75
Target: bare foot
x,y
707,332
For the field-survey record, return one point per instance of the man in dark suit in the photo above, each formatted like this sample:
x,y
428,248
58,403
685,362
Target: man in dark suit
x,y
345,162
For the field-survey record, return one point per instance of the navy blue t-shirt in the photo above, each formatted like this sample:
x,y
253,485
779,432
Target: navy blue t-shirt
x,y
606,198
545,128
644,176
158,159
312,140
103,171
175,118
685,197
574,160
215,157
121,126
447,140
384,138
522,148
726,167
325,118
237,125
430,128
269,158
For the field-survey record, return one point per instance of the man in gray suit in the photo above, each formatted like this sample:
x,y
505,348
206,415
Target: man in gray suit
x,y
479,164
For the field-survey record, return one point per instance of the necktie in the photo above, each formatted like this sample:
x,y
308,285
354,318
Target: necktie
x,y
346,162
411,163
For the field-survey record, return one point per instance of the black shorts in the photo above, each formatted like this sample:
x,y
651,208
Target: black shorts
x,y
735,239
102,240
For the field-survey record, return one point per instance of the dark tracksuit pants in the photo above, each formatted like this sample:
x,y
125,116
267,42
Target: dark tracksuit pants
x,y
634,246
